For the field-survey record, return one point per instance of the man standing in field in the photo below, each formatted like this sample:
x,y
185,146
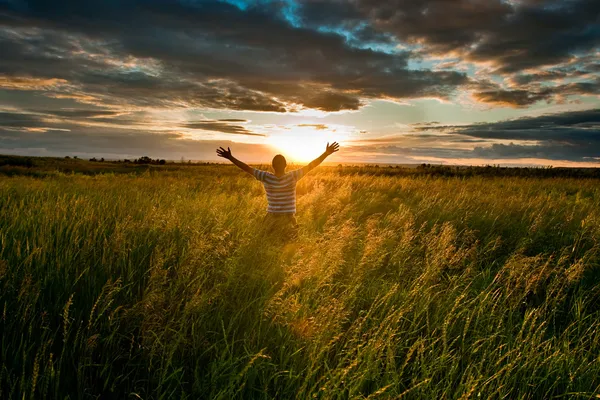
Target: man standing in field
x,y
280,186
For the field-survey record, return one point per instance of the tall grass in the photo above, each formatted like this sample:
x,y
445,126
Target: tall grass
x,y
164,285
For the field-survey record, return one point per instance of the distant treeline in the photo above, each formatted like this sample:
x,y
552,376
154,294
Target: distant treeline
x,y
470,171
16,161
19,165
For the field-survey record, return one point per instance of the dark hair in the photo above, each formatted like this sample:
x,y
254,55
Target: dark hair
x,y
279,163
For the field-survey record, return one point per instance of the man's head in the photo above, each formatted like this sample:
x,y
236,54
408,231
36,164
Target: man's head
x,y
279,163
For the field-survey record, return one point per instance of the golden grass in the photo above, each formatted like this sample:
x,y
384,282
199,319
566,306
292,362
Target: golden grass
x,y
164,285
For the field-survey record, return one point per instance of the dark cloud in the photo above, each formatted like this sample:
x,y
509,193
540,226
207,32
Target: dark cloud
x,y
528,89
569,136
206,54
535,45
20,120
546,151
342,16
336,54
563,138
545,75
220,126
566,127
333,102
512,98
513,35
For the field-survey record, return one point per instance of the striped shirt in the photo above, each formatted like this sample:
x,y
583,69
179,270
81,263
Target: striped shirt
x,y
281,191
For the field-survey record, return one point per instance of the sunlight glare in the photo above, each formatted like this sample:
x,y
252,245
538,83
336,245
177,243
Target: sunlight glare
x,y
303,144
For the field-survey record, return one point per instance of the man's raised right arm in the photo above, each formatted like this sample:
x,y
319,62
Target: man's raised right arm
x,y
329,150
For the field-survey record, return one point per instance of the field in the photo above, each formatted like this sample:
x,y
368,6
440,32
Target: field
x,y
161,283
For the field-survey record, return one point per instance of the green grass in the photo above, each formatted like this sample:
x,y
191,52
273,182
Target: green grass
x,y
162,284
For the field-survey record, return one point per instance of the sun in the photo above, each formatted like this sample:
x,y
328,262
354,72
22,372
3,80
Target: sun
x,y
300,149
303,143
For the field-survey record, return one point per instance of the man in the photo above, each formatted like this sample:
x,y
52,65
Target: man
x,y
280,186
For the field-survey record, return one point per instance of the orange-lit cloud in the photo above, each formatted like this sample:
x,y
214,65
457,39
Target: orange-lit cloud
x,y
24,83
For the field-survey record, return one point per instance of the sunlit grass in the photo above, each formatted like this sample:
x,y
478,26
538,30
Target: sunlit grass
x,y
163,285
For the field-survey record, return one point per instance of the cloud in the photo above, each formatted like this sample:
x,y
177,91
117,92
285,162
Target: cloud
x,y
79,113
328,55
513,35
222,126
205,54
20,120
566,126
512,98
35,133
76,119
569,136
106,66
550,151
556,39
554,138
233,120
25,83
318,127
123,143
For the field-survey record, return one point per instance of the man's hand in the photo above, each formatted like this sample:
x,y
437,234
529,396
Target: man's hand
x,y
332,148
329,150
221,152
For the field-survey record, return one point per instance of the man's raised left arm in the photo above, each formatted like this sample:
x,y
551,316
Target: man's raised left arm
x,y
221,152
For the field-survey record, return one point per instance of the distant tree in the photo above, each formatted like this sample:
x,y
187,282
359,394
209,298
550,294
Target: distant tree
x,y
75,157
162,162
93,159
67,157
126,160
143,160
102,159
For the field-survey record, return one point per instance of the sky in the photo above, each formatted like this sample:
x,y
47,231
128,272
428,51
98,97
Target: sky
x,y
509,82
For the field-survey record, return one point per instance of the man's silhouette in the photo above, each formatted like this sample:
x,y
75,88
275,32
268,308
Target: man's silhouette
x,y
280,186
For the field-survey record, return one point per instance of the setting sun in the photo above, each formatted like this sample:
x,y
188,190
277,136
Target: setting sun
x,y
304,143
